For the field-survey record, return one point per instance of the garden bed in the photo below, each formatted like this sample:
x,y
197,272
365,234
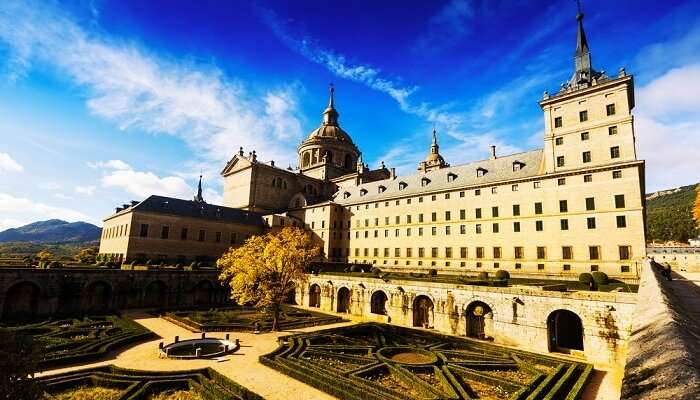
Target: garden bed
x,y
394,363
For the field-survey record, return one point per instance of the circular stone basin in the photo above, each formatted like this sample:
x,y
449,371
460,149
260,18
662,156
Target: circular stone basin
x,y
407,356
208,348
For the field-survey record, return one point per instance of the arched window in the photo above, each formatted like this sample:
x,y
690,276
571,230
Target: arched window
x,y
284,184
378,302
306,159
422,311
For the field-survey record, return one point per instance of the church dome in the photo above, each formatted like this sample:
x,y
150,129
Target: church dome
x,y
329,132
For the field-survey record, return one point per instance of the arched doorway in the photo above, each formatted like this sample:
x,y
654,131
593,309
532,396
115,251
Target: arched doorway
x,y
422,311
565,331
97,297
378,302
203,293
21,301
155,294
315,296
291,297
479,319
343,300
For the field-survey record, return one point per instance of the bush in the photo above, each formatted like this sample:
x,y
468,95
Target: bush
x,y
432,272
585,278
600,278
354,268
502,274
376,271
483,275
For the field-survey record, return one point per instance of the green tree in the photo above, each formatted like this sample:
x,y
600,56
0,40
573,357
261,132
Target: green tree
x,y
19,357
266,269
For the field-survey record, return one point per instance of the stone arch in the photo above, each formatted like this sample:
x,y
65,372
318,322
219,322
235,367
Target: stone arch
x,y
97,297
306,159
21,300
315,296
297,201
203,292
348,161
155,294
423,310
479,316
565,331
343,300
378,302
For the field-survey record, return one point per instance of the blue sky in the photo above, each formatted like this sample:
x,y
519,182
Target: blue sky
x,y
102,102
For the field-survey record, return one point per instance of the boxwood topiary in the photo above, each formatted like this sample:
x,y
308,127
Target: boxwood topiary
x,y
483,275
354,268
585,278
502,274
432,272
600,278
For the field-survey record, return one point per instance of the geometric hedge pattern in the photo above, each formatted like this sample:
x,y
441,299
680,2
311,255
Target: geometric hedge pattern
x,y
69,341
384,362
128,384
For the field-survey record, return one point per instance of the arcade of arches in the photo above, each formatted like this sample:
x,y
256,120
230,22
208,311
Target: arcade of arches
x,y
343,302
423,311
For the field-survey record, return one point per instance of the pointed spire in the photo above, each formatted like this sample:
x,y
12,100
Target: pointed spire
x,y
584,73
331,100
434,145
330,115
199,198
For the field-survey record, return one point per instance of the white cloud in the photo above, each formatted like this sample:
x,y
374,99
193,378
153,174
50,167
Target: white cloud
x,y
120,174
17,211
88,190
50,186
213,113
8,164
62,196
112,164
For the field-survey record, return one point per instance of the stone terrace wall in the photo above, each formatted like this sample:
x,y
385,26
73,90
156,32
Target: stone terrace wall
x,y
663,362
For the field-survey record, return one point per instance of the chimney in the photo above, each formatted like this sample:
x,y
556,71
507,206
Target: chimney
x,y
240,151
272,163
493,152
117,209
253,156
392,173
134,202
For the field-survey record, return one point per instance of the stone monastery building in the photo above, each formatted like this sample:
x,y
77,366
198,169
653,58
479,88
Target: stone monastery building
x,y
575,205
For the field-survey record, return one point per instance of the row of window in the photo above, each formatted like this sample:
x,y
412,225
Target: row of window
x,y
184,234
115,231
567,252
583,115
612,130
586,156
496,265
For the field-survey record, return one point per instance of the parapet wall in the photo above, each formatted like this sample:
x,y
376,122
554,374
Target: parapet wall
x,y
663,351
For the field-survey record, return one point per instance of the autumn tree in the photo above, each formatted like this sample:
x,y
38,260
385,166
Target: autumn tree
x,y
44,256
696,207
267,268
87,255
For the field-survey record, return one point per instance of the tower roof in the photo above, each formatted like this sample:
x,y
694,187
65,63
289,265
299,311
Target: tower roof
x,y
584,74
434,160
329,128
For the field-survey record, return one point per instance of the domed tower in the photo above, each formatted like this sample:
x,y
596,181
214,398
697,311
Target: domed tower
x,y
434,160
328,151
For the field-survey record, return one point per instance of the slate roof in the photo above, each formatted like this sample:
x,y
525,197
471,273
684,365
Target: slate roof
x,y
193,209
497,170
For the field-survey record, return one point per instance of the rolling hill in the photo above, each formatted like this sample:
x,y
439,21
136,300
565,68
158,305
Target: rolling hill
x,y
52,231
669,214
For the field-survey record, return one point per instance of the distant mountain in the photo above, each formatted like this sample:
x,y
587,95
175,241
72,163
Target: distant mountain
x,y
53,231
670,214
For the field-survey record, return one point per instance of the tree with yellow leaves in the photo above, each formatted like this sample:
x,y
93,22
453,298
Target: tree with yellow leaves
x,y
696,207
44,256
267,268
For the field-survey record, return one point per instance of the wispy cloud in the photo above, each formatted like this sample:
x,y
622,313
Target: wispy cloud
x,y
119,174
8,164
88,190
18,211
447,27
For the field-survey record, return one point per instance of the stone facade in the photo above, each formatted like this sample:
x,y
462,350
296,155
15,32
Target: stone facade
x,y
513,316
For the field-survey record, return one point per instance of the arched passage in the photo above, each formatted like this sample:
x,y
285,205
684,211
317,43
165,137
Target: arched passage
x,y
98,296
21,300
155,294
306,160
315,296
565,331
422,311
479,320
202,293
378,302
343,304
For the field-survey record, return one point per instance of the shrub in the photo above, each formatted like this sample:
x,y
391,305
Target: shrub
x,y
585,278
483,275
600,278
376,271
432,272
353,268
502,274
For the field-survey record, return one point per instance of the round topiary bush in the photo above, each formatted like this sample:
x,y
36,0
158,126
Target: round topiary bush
x,y
585,278
483,275
432,272
600,278
502,275
354,268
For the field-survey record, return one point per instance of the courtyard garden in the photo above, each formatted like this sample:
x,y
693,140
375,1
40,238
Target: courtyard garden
x,y
75,340
241,318
384,362
114,383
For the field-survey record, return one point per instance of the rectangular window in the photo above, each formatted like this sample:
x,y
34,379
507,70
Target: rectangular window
x,y
518,266
433,230
567,267
494,190
365,252
448,215
396,233
559,141
583,116
478,228
398,219
386,252
586,156
619,201
463,252
433,217
540,266
567,253
564,224
621,221
447,230
617,174
585,136
590,203
587,178
233,237
516,226
434,252
183,234
495,227
590,221
217,237
539,226
479,252
477,192
462,214
518,251
420,231
536,184
496,252
563,206
462,229
165,232
560,161
421,252
202,235
357,252
477,213
375,252
514,187
612,130
557,122
448,252
624,268
541,253
144,230
494,212
397,252
420,217
408,231
409,252
610,109
594,268
624,252
538,208
615,152
516,210
594,252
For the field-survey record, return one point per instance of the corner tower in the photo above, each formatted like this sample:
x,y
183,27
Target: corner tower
x,y
434,160
589,122
328,151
